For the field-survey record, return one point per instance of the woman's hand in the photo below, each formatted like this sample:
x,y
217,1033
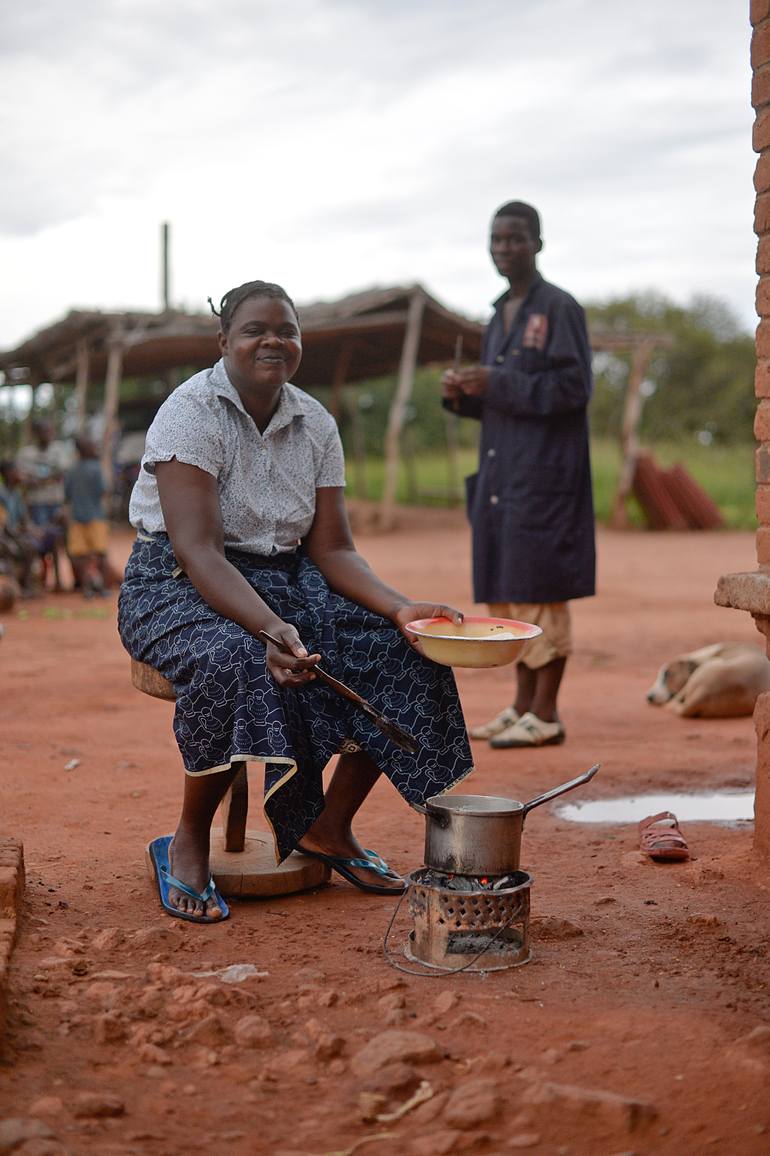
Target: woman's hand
x,y
292,667
411,611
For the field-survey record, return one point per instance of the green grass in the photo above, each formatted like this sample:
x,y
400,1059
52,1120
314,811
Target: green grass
x,y
726,473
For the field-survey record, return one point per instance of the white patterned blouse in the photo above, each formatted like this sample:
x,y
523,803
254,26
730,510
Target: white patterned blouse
x,y
267,482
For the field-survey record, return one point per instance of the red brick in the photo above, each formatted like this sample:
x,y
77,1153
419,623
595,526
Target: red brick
x,y
763,545
759,10
762,797
762,465
762,297
762,505
760,45
762,173
762,378
762,214
763,255
762,342
760,87
760,137
762,422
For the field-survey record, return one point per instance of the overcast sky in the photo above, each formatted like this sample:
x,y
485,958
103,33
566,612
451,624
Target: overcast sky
x,y
331,145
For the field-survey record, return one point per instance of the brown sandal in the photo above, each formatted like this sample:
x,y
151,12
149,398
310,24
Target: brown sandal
x,y
661,839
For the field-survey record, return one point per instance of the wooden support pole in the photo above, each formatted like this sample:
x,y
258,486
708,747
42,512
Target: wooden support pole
x,y
353,411
81,383
339,377
451,421
165,271
398,406
629,434
110,410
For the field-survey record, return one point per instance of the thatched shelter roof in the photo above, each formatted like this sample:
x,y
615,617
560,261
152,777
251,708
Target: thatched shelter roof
x,y
369,326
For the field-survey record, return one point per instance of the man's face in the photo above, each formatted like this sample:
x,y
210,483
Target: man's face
x,y
513,248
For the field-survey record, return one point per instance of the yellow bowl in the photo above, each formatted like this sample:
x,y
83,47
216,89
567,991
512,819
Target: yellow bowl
x,y
475,642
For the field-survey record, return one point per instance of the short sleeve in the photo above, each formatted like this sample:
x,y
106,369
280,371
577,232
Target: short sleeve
x,y
331,469
187,429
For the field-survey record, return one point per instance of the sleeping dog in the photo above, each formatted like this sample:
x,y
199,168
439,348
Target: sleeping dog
x,y
719,681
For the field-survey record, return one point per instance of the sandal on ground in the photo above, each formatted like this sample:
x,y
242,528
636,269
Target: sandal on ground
x,y
529,731
500,722
158,852
372,862
661,839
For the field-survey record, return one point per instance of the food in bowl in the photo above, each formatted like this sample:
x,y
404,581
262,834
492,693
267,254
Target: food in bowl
x,y
475,642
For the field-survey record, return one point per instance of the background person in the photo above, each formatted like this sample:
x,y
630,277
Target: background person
x,y
530,504
21,544
241,527
87,527
42,465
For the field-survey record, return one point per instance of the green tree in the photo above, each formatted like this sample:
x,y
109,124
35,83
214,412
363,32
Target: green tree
x,y
700,386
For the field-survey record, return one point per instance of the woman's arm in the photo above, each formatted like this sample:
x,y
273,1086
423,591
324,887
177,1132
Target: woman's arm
x,y
330,546
189,498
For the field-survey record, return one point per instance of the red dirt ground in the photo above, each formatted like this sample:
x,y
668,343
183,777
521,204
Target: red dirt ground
x,y
647,1032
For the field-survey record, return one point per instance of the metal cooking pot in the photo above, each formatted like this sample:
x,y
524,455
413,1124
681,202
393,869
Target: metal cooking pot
x,y
481,834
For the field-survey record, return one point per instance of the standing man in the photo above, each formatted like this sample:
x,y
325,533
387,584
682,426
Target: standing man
x,y
530,505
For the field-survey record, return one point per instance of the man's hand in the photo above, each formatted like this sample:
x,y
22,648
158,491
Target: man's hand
x,y
450,390
471,380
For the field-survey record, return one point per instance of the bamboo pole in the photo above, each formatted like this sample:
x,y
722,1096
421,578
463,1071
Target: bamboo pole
x,y
409,351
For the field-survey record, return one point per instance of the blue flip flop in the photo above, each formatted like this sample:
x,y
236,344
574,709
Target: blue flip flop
x,y
372,862
159,858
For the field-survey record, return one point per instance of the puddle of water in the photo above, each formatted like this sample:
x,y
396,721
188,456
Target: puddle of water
x,y
715,807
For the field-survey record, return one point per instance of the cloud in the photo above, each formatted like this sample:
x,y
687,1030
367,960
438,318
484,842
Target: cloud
x,y
337,143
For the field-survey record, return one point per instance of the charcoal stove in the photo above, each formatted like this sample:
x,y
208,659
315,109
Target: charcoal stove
x,y
470,902
467,922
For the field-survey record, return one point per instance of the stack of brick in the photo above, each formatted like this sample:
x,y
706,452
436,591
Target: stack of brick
x,y
760,98
11,892
672,499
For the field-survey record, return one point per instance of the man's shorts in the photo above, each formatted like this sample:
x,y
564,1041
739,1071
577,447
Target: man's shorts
x,y
87,538
554,618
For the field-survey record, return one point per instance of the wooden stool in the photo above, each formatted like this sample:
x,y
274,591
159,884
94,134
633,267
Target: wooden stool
x,y
242,861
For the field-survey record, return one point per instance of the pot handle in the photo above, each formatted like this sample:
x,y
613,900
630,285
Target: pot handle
x,y
556,791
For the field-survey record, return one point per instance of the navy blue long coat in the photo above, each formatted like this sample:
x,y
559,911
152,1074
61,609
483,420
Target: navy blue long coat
x,y
530,504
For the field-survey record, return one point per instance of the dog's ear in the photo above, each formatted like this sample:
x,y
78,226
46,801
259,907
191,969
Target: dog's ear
x,y
677,674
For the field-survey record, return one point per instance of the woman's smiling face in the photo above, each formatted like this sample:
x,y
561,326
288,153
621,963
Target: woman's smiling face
x,y
263,346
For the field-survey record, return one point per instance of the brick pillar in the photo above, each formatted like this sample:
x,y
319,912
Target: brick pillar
x,y
751,591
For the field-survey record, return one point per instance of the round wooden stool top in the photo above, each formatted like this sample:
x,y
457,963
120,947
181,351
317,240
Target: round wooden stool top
x,y
149,681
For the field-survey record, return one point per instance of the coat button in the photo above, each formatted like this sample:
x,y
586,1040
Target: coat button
x,y
500,359
494,499
490,453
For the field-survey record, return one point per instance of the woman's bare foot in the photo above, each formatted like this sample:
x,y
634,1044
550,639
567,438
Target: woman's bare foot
x,y
188,857
345,846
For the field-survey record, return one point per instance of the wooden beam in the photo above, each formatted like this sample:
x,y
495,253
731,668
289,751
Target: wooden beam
x,y
409,351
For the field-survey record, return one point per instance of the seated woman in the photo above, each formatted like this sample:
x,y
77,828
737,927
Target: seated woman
x,y
241,527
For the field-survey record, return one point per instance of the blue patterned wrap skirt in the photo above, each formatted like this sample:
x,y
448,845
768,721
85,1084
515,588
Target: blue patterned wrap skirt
x,y
229,709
